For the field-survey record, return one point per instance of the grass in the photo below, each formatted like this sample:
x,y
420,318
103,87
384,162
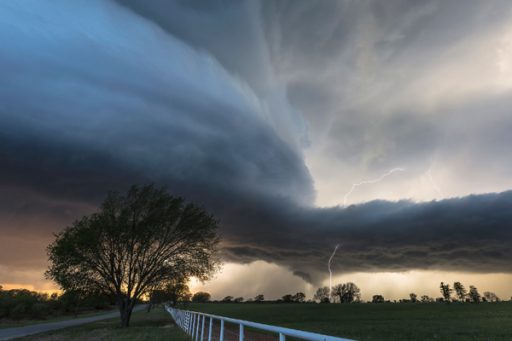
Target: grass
x,y
154,326
8,323
368,322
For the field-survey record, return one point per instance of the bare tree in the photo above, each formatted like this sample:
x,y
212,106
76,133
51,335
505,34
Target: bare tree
x,y
133,245
491,297
322,295
446,291
460,291
346,292
474,295
299,297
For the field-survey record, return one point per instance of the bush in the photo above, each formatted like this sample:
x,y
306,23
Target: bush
x,y
24,304
40,311
18,312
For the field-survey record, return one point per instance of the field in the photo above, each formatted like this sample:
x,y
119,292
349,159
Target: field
x,y
365,322
144,326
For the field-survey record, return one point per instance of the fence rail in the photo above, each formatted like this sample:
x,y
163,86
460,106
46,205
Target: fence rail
x,y
193,323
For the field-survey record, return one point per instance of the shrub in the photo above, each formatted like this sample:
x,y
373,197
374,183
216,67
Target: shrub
x,y
39,311
18,312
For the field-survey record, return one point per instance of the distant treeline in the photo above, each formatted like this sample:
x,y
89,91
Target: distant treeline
x,y
17,304
350,293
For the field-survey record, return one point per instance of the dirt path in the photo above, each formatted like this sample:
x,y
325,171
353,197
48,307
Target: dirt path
x,y
12,333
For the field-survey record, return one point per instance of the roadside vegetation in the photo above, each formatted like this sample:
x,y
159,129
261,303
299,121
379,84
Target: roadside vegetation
x,y
21,306
155,325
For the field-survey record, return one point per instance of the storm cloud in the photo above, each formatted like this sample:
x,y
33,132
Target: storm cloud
x,y
266,113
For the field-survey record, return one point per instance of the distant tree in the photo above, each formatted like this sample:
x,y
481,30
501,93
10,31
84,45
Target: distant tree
x,y
322,295
460,291
378,299
346,292
491,297
201,297
157,296
473,294
414,297
299,297
426,299
134,244
446,291
259,298
70,301
227,299
288,298
238,300
172,292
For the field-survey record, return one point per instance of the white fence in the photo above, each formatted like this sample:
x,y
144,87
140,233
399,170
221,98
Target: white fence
x,y
194,323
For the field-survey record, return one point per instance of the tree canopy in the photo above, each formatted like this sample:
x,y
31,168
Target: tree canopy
x,y
134,244
201,297
346,292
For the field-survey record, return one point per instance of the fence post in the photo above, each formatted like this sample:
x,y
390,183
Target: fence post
x,y
282,337
210,329
194,324
221,337
241,336
197,326
202,328
190,325
186,323
191,318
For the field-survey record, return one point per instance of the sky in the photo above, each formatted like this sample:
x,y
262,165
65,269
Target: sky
x,y
380,126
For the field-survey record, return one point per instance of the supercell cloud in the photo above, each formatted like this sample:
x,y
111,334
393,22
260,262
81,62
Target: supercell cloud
x,y
266,114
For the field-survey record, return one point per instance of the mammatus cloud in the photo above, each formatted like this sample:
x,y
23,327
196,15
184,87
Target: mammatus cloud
x,y
218,101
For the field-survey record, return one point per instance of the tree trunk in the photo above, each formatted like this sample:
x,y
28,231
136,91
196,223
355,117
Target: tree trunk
x,y
125,308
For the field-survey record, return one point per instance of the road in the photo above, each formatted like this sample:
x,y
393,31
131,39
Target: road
x,y
12,333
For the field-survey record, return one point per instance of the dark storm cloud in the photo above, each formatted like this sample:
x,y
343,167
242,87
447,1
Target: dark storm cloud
x,y
99,110
195,96
105,99
471,234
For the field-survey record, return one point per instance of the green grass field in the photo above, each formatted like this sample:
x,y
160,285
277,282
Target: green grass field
x,y
154,326
484,321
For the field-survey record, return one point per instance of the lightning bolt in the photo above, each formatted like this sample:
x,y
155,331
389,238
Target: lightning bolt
x,y
330,271
369,182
